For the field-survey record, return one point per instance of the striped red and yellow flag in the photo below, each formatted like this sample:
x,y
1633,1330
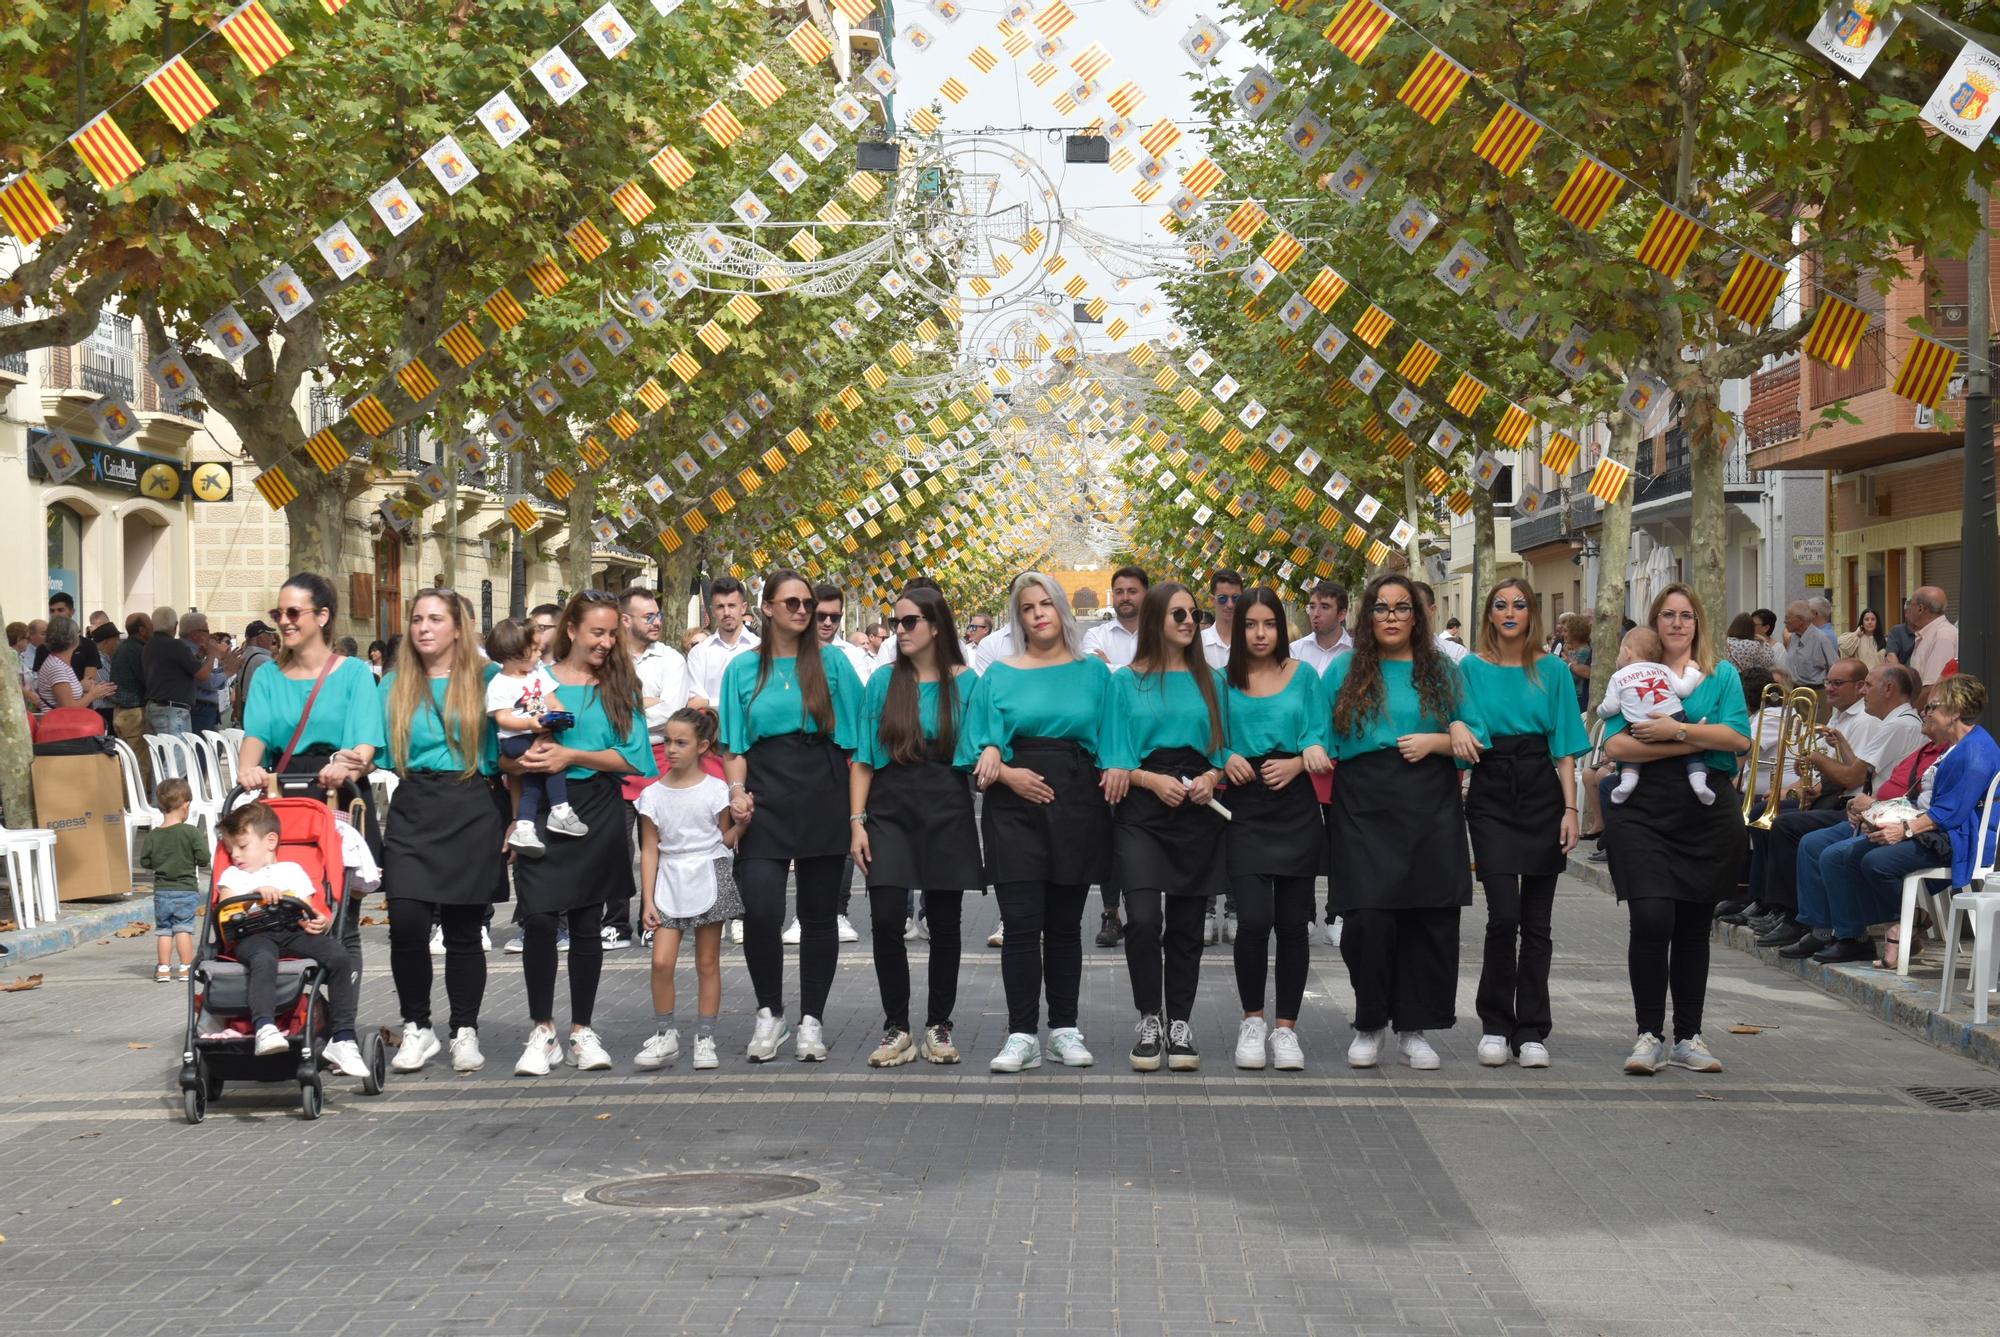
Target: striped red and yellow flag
x,y
1670,239
504,309
587,240
1355,31
558,482
275,487
522,515
873,376
1325,289
462,343
1054,19
547,276
1590,192
744,307
595,456
323,448
804,245
1188,399
1092,61
695,521
809,43
1514,426
1355,536
1433,86
1202,178
27,210
1560,453
652,395
1418,364
952,90
1374,326
633,201
1607,480
723,500
1040,74
417,380
856,10
1399,446
106,151
623,424
256,37
983,59
1752,290
1127,98
670,539
1508,139
714,337
1095,308
1926,370
1077,286
1836,331
850,398
720,123
774,460
673,170
180,94
763,85
371,417
1210,420
1466,392
1284,252
683,365
1013,40
333,6
1374,429
1117,330
1459,500
798,440
1246,219
1163,135
1436,480
833,215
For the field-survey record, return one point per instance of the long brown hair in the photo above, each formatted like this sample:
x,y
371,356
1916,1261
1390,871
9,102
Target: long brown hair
x,y
618,681
902,730
1363,697
811,669
1152,651
463,718
1489,640
1699,650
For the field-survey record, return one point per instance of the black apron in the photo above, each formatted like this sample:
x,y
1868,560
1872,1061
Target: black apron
x,y
301,777
1173,850
1067,841
1398,834
921,830
575,871
799,784
1514,808
1665,842
1275,832
442,843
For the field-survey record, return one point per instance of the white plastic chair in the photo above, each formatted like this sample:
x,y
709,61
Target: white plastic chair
x,y
1982,908
224,755
139,809
182,758
1915,890
31,874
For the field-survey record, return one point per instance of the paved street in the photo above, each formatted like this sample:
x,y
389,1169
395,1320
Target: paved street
x,y
1799,1192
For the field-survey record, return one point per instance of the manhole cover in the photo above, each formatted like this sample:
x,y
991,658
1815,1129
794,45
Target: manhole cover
x,y
1957,1099
700,1189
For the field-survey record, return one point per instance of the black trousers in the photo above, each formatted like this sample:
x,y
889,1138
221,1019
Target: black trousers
x,y
1326,821
1264,906
259,954
1668,951
761,883
1774,896
1163,951
847,890
944,912
1404,967
1110,888
410,924
586,961
618,913
1513,999
1781,853
1043,949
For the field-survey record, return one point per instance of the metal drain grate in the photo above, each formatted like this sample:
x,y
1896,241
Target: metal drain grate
x,y
1956,1099
681,1192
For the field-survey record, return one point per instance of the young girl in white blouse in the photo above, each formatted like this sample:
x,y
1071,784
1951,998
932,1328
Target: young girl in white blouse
x,y
687,839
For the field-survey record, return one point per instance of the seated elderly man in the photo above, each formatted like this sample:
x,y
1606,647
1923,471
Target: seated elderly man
x,y
1852,877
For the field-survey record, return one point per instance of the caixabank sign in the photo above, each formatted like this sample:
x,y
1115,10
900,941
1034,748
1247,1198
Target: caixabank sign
x,y
155,477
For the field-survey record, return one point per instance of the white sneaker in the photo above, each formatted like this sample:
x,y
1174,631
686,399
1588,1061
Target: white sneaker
x,y
1534,1054
515,945
1021,1052
544,1052
1648,1056
1333,932
910,930
923,927
770,1032
736,931
1493,1051
271,1040
1250,1038
613,938
790,937
1229,928
1211,930
660,1049
810,1047
587,1052
1692,1054
465,1055
704,1053
437,940
1067,1048
485,945
1417,1052
998,937
845,929
1286,1056
419,1044
344,1057
1364,1049
564,821
524,839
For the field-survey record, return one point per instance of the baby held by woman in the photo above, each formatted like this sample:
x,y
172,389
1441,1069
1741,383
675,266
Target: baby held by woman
x,y
1645,689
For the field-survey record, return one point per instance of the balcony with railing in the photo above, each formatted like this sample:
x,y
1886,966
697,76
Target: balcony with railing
x,y
1547,526
16,363
1676,481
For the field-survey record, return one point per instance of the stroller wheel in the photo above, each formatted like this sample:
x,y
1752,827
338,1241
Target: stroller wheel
x,y
376,1055
312,1099
194,1105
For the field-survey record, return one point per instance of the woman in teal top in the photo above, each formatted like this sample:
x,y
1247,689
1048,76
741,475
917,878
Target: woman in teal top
x,y
789,715
443,864
1672,856
911,821
1398,835
1521,809
1279,727
1164,748
1032,725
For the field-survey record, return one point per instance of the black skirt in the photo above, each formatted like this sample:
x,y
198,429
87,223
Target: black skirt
x,y
1664,842
799,783
1274,832
1067,841
442,843
580,870
1398,835
1177,851
1514,809
921,829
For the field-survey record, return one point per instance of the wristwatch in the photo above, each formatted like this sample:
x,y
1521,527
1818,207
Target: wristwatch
x,y
1681,734
858,818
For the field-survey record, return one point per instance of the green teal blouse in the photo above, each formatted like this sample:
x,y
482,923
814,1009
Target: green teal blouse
x,y
1507,703
1289,721
1145,712
871,751
430,750
1402,713
593,732
347,713
1065,701
748,716
1718,700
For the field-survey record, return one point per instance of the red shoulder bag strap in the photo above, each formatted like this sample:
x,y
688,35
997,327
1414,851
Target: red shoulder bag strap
x,y
285,759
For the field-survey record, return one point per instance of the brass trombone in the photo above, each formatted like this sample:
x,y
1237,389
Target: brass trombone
x,y
1799,736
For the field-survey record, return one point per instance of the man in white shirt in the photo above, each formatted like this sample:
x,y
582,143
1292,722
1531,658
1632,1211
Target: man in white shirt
x,y
662,690
1937,638
1453,650
711,655
1115,642
998,646
978,627
1225,590
829,607
1326,609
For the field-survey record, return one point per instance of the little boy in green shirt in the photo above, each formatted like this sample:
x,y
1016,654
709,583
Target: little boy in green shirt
x,y
174,850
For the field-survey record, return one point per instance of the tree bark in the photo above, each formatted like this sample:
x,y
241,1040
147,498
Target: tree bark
x,y
1614,543
1411,510
17,752
582,506
1485,552
315,522
1708,439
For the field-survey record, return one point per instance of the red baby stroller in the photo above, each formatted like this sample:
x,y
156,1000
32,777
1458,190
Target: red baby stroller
x,y
219,1046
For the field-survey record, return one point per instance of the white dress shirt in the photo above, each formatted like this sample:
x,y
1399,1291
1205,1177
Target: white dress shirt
x,y
1890,739
857,656
1455,650
1214,649
1309,649
663,679
1112,641
708,659
999,644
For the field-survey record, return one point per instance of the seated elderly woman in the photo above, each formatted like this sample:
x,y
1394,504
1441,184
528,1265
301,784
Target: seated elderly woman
x,y
1851,875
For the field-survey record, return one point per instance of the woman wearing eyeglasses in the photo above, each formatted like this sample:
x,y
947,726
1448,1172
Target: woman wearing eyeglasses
x,y
1400,718
1672,856
789,716
1522,811
912,826
1279,725
1033,722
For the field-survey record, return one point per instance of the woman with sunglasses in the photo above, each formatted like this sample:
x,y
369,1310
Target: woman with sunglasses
x,y
912,826
1399,720
1033,723
1278,734
789,717
1522,811
1163,751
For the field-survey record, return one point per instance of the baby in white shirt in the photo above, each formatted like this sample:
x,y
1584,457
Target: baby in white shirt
x,y
1645,689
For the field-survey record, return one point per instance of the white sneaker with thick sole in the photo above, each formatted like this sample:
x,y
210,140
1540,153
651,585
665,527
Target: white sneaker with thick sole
x,y
1021,1052
613,938
1692,1054
544,1052
344,1057
437,940
660,1049
1250,1040
1229,928
810,1047
515,945
1648,1056
1333,931
736,931
997,938
1534,1054
1417,1052
524,839
1067,1048
766,1036
845,928
564,821
1211,930
587,1052
465,1055
419,1045
1286,1056
1493,1051
704,1053
909,931
271,1040
485,941
790,937
1364,1049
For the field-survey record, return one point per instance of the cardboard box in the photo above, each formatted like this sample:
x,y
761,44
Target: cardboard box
x,y
82,799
